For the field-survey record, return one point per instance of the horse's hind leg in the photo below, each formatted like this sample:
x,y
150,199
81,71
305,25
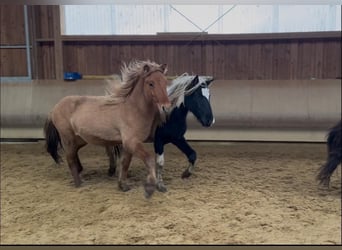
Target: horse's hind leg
x,y
79,165
71,148
112,165
189,152
74,165
328,168
125,162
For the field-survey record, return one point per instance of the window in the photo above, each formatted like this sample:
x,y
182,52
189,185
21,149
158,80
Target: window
x,y
214,19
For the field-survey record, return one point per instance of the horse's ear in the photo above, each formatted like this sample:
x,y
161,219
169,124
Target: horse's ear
x,y
194,81
208,81
164,68
146,68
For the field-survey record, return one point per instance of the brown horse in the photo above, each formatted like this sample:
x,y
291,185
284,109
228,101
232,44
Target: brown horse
x,y
126,117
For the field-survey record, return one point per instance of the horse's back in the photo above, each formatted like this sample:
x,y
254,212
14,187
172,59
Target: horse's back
x,y
69,104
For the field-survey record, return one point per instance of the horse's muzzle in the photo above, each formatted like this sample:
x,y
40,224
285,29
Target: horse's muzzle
x,y
208,123
166,108
213,122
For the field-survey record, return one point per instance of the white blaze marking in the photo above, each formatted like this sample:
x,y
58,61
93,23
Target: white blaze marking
x,y
160,160
205,93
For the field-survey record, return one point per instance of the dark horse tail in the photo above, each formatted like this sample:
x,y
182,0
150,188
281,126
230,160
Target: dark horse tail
x,y
52,140
334,154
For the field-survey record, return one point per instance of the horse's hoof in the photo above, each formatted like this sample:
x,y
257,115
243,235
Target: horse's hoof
x,y
326,183
77,183
186,174
149,190
124,187
161,187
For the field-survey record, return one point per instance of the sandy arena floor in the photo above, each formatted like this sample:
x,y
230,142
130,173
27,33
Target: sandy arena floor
x,y
241,193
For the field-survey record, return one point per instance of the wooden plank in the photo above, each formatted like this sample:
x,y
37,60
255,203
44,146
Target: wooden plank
x,y
57,43
231,56
267,54
45,21
242,61
46,61
208,59
148,51
219,61
125,52
12,28
281,61
304,60
13,62
293,60
317,62
115,62
161,53
33,35
137,52
255,62
331,60
195,59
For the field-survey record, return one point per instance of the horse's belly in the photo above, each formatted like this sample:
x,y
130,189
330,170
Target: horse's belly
x,y
98,135
96,140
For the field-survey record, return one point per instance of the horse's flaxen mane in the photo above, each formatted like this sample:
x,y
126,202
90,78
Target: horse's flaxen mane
x,y
118,90
179,88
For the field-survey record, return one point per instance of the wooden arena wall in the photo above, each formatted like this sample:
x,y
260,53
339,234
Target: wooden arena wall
x,y
283,56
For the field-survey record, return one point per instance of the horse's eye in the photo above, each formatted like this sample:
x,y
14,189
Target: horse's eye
x,y
151,84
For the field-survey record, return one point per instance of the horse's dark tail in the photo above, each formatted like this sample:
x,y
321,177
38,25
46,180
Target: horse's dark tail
x,y
334,155
52,140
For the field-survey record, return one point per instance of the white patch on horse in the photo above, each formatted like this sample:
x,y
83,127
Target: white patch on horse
x,y
191,168
160,160
205,93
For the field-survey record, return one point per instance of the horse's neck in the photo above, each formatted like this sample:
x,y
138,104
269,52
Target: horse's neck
x,y
179,114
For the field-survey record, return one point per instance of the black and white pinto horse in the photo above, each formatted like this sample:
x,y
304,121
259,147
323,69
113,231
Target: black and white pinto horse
x,y
186,93
334,141
193,97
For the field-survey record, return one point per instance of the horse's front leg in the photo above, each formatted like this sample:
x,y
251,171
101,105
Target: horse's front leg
x,y
137,149
182,144
159,150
